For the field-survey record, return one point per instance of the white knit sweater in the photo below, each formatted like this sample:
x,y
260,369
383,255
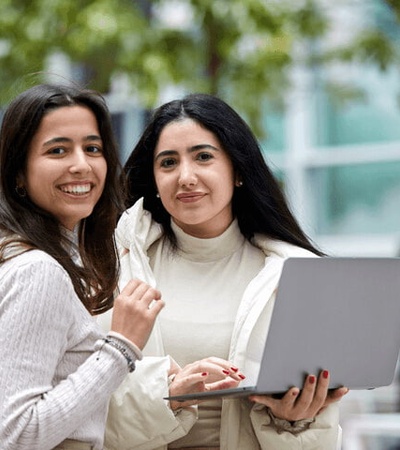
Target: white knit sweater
x,y
55,375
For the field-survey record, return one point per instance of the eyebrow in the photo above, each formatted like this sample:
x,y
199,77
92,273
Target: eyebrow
x,y
192,149
61,139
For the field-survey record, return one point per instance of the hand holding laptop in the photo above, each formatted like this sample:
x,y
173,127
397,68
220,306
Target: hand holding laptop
x,y
305,404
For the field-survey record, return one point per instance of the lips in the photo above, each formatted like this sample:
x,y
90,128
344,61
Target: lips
x,y
76,189
188,197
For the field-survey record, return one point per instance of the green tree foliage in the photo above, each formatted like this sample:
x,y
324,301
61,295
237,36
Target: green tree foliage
x,y
238,49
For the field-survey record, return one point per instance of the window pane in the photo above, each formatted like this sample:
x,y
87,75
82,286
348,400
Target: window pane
x,y
358,198
374,118
274,126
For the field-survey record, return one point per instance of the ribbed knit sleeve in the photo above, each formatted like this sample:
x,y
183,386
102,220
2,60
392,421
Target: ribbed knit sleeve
x,y
53,384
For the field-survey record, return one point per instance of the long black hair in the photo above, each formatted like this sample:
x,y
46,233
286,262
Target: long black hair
x,y
23,222
259,204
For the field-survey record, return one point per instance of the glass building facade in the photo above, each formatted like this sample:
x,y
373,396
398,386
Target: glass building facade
x,y
340,160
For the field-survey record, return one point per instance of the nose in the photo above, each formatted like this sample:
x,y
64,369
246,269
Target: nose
x,y
80,161
187,174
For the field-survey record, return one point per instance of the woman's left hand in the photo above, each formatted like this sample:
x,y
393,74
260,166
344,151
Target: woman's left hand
x,y
296,405
207,374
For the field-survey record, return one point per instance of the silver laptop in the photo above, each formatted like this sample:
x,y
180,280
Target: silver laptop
x,y
339,314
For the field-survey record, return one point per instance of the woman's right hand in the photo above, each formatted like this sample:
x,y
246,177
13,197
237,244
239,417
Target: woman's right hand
x,y
302,404
208,374
135,311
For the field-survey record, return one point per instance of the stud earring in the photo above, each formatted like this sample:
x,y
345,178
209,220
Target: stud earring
x,y
239,183
21,191
158,195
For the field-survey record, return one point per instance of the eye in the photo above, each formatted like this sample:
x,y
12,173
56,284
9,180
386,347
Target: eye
x,y
57,151
204,156
167,163
94,149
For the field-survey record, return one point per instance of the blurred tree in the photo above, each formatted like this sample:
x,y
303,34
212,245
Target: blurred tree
x,y
238,49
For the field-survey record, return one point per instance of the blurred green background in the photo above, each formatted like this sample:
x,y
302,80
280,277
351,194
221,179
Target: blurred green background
x,y
317,81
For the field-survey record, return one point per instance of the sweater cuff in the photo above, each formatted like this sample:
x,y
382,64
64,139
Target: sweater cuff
x,y
295,428
118,347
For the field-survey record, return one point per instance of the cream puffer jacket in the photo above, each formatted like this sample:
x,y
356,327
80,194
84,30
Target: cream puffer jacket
x,y
139,418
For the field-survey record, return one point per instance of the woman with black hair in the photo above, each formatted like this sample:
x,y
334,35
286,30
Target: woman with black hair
x,y
59,201
209,226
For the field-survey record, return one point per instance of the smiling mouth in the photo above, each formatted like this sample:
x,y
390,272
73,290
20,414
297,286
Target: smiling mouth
x,y
80,189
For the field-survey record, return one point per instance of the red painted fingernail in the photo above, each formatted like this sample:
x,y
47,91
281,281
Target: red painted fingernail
x,y
225,371
294,393
204,374
325,374
242,376
311,379
235,369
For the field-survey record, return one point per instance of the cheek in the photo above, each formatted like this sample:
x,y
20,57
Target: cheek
x,y
224,182
101,171
163,184
38,178
226,194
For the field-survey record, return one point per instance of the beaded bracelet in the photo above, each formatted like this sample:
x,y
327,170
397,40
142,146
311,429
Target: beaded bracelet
x,y
129,344
122,349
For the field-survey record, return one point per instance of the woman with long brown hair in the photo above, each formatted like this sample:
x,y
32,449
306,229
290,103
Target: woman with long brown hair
x,y
59,201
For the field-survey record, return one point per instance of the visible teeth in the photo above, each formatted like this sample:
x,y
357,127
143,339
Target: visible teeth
x,y
81,189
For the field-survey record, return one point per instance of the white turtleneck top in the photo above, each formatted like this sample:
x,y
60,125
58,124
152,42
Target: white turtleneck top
x,y
202,284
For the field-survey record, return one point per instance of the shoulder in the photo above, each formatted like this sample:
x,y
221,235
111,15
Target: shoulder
x,y
34,281
132,217
34,264
33,256
280,249
136,225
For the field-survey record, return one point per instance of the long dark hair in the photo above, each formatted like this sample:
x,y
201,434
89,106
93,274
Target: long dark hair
x,y
259,204
23,222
